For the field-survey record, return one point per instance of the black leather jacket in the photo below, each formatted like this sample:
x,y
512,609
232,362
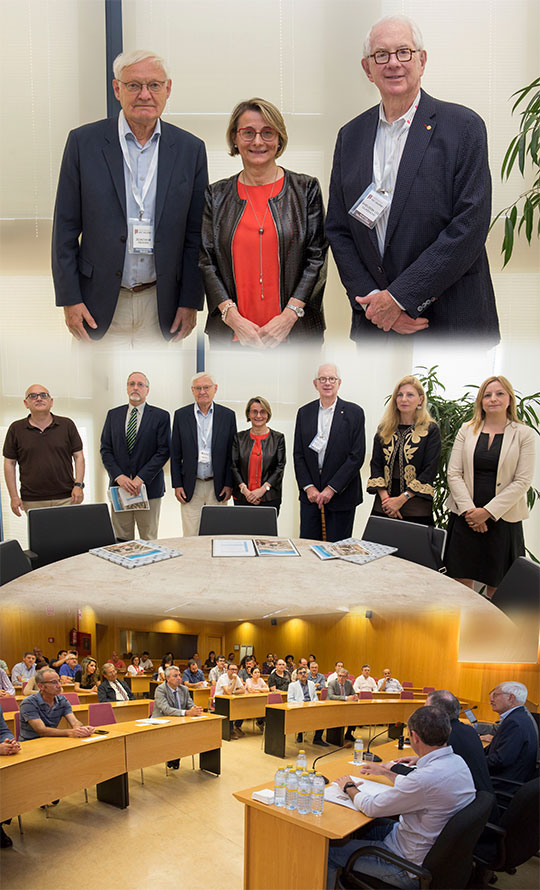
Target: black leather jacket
x,y
298,214
273,464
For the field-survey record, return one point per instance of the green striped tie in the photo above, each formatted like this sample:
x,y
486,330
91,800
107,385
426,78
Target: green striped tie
x,y
131,432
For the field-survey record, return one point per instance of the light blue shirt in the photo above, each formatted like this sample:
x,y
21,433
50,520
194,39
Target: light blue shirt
x,y
139,268
204,440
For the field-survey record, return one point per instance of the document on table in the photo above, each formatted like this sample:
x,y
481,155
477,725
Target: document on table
x,y
334,794
233,548
151,721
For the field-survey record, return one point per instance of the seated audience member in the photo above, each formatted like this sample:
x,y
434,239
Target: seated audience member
x,y
255,683
304,690
173,700
268,665
427,798
218,670
41,713
166,661
388,683
211,661
146,663
25,669
8,746
3,665
289,663
70,667
230,657
118,663
30,687
193,676
6,686
302,662
111,688
315,676
334,674
365,683
279,679
56,663
135,668
231,684
41,660
341,689
87,677
246,667
197,659
513,750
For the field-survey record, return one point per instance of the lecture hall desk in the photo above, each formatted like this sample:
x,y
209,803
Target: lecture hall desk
x,y
297,858
249,706
123,711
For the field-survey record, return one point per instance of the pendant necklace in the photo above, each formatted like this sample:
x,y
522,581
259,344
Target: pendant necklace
x,y
260,225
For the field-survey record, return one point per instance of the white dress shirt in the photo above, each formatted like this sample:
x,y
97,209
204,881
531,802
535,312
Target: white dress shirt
x,y
139,409
364,684
324,425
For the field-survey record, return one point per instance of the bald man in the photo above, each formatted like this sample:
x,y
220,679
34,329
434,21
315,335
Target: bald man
x,y
49,452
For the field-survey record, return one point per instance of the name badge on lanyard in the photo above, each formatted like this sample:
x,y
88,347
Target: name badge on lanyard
x,y
370,206
140,230
318,443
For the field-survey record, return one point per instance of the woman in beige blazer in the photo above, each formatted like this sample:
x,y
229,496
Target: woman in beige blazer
x,y
489,473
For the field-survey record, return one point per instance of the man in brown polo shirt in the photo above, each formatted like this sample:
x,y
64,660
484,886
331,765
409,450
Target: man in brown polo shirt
x,y
48,450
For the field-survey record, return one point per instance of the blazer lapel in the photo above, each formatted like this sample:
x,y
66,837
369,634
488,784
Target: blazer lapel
x,y
335,430
166,162
115,162
421,131
361,171
507,442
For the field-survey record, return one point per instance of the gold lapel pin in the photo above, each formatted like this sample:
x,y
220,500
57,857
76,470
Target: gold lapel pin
x,y
428,126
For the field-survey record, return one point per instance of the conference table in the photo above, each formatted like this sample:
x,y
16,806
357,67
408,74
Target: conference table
x,y
333,716
50,768
249,706
297,856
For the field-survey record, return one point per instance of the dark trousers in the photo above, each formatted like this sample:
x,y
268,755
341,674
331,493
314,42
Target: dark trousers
x,y
339,523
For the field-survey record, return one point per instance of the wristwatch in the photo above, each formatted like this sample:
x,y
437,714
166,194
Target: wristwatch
x,y
78,485
297,309
349,785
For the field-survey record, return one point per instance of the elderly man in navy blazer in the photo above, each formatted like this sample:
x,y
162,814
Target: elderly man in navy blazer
x,y
513,751
410,202
131,188
135,446
329,449
201,453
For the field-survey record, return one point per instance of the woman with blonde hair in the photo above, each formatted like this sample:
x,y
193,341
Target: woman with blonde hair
x,y
263,254
489,473
258,459
405,458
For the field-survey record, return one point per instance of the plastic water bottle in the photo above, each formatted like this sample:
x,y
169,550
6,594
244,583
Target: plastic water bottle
x,y
312,773
317,795
279,787
358,750
301,761
304,794
291,783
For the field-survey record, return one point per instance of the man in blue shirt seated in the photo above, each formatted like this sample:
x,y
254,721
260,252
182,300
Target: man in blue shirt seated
x,y
316,677
41,713
193,676
23,670
69,668
8,746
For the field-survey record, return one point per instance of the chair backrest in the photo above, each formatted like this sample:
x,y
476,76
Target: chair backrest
x,y
450,859
150,707
274,698
418,543
238,521
428,689
351,677
17,725
521,821
13,562
72,698
365,693
324,693
407,684
407,693
100,713
9,703
211,697
55,533
518,590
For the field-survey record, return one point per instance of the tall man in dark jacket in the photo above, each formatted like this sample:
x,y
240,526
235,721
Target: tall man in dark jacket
x,y
513,750
135,445
329,449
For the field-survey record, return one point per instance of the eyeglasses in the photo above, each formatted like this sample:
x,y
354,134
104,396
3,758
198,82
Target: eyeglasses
x,y
52,682
38,395
202,388
247,134
133,86
382,56
256,413
328,379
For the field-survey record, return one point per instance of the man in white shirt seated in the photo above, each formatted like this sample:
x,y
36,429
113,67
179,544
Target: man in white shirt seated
x,y
304,690
333,676
427,798
365,683
23,670
146,663
172,699
388,683
216,672
231,684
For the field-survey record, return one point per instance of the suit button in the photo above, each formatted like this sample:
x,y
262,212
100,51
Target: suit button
x,y
379,269
123,239
118,274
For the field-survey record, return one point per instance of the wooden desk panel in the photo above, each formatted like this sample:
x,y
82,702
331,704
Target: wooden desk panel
x,y
249,706
183,736
138,683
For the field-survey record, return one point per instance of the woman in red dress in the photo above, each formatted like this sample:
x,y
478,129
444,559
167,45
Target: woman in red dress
x,y
258,459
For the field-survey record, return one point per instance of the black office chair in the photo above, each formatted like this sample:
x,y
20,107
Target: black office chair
x,y
13,562
238,521
448,864
515,839
519,590
418,543
55,533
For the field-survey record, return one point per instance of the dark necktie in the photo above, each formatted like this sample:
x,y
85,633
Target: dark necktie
x,y
131,432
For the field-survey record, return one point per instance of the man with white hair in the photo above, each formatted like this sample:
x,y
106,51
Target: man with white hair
x,y
410,202
135,445
513,750
201,449
329,450
128,216
49,452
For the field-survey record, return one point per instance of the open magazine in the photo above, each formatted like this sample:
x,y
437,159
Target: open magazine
x,y
122,500
132,554
352,550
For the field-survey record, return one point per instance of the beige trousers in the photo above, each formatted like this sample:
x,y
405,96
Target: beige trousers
x,y
147,522
135,320
191,512
32,505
